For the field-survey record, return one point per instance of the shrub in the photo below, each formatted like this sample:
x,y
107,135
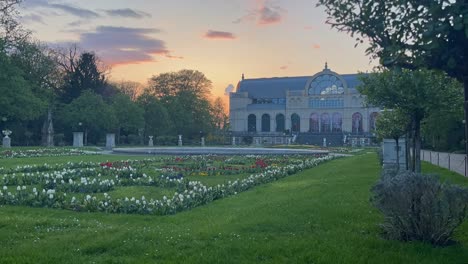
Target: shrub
x,y
420,207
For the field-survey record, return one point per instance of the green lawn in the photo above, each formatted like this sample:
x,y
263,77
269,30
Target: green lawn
x,y
321,215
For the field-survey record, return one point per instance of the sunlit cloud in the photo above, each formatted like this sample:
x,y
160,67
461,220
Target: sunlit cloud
x,y
284,67
316,46
123,45
266,13
213,34
309,28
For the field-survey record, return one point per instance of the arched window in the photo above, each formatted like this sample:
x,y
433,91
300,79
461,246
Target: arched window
x,y
280,127
337,122
325,127
265,123
357,123
314,123
372,120
295,123
252,123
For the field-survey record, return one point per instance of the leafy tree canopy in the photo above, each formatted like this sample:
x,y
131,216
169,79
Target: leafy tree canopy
x,y
408,34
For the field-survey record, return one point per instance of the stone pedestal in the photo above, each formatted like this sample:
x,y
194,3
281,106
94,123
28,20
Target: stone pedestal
x,y
324,142
150,142
390,151
233,141
202,141
180,141
78,139
6,142
110,141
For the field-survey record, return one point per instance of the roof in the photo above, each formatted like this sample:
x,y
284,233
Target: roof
x,y
276,87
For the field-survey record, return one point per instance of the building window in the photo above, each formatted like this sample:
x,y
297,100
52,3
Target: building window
x,y
314,123
266,123
252,123
295,123
357,123
280,127
337,122
373,120
326,84
325,128
326,103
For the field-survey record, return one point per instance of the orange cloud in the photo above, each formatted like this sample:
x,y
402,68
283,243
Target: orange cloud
x,y
284,67
264,14
214,34
316,46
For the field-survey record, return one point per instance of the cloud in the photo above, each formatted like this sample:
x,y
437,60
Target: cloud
x,y
213,34
284,67
269,15
309,27
229,89
72,10
127,12
265,14
123,45
316,46
33,18
76,11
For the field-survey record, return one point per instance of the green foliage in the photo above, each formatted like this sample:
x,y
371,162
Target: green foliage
x,y
408,34
185,96
92,112
391,124
83,73
17,100
415,94
420,207
129,115
156,117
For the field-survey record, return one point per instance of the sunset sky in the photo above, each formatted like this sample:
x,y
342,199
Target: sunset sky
x,y
222,39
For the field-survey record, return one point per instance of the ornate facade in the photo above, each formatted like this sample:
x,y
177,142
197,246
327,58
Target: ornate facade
x,y
321,109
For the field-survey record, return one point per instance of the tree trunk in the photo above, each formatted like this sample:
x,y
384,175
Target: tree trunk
x,y
465,106
417,146
86,137
407,150
397,154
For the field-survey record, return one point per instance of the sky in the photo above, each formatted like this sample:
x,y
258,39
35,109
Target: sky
x,y
221,38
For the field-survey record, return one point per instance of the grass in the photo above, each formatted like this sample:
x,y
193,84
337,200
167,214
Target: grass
x,y
321,215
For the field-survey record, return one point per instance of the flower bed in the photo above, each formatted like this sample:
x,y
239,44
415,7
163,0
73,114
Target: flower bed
x,y
44,152
85,186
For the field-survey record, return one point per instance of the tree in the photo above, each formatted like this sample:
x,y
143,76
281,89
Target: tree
x,y
131,89
175,83
392,124
91,113
415,93
156,117
40,64
185,95
218,112
10,28
83,72
409,34
129,115
17,100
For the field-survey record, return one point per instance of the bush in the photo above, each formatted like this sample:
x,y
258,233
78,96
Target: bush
x,y
419,207
133,139
167,140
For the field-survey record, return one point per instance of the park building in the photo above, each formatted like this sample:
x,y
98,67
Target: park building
x,y
323,109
